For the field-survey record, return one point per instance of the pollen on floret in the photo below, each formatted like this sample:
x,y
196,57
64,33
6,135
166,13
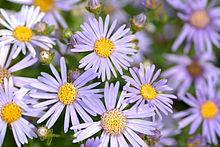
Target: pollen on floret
x,y
10,112
4,73
209,109
45,5
67,93
148,92
22,33
113,121
104,47
199,18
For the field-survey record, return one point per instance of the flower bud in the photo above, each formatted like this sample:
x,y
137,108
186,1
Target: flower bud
x,y
40,27
197,141
46,57
66,33
73,41
43,132
138,22
94,6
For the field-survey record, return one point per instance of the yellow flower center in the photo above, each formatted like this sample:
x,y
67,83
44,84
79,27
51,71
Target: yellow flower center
x,y
194,69
209,109
4,73
148,92
10,112
199,18
104,47
23,33
113,122
67,93
45,5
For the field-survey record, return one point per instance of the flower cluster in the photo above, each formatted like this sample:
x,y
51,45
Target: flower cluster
x,y
100,73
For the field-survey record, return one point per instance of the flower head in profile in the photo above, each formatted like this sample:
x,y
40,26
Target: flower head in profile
x,y
205,111
107,48
201,22
144,88
117,123
7,69
188,71
59,93
50,8
13,111
19,31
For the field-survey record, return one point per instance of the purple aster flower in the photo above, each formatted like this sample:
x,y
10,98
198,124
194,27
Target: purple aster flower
x,y
7,70
50,8
189,70
107,48
204,110
19,31
92,143
13,110
143,88
201,24
116,122
59,93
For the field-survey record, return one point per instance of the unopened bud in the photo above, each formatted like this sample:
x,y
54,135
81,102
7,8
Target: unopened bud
x,y
46,57
73,41
94,6
40,27
43,132
66,33
138,22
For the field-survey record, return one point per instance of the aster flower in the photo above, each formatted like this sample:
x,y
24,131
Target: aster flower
x,y
201,24
92,143
13,109
107,47
142,88
188,71
117,124
7,70
51,9
204,111
59,93
19,31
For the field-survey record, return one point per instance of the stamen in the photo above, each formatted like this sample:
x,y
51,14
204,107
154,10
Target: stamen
x,y
23,33
104,47
148,92
10,112
4,73
209,109
67,93
113,122
199,19
194,69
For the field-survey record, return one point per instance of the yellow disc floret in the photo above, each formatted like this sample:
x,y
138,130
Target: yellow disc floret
x,y
67,93
199,18
10,112
148,92
22,33
113,122
45,5
4,73
104,47
209,109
